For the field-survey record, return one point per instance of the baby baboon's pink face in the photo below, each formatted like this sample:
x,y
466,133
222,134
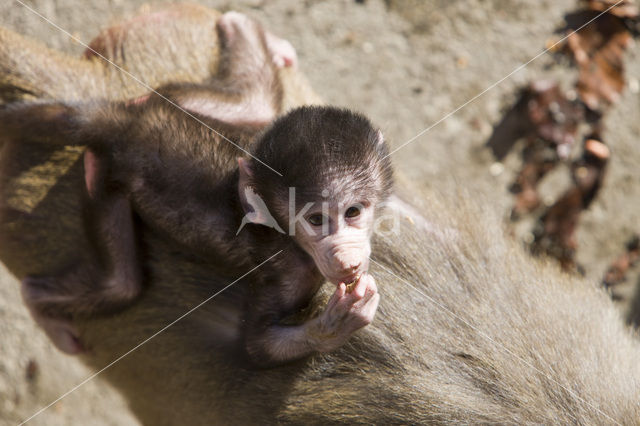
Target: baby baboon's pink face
x,y
337,237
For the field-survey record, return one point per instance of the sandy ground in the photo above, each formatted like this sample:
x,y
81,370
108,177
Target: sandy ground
x,y
406,64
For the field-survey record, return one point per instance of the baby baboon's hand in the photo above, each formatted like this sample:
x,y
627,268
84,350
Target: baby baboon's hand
x,y
345,313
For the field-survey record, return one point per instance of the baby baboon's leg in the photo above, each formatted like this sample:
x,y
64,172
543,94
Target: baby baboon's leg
x,y
108,281
246,89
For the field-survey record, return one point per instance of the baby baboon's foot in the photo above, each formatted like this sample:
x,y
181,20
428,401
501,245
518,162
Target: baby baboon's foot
x,y
283,53
241,35
241,38
39,295
62,333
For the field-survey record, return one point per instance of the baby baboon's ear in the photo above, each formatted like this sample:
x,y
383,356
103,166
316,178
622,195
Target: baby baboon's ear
x,y
254,207
379,137
244,183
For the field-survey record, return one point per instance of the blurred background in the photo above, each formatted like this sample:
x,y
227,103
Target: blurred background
x,y
553,147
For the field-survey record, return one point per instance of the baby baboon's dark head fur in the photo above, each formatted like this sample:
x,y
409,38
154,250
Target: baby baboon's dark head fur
x,y
322,148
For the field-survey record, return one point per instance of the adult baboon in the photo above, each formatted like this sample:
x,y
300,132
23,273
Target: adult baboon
x,y
468,328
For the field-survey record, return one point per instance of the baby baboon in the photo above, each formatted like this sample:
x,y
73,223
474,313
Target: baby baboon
x,y
330,161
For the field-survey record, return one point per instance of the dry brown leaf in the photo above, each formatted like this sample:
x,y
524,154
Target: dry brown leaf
x,y
553,117
617,271
625,9
555,235
598,51
549,121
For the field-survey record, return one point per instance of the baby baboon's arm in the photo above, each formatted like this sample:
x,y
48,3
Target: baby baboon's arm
x,y
268,343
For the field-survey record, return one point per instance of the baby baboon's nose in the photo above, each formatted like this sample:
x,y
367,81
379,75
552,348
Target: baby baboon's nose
x,y
350,267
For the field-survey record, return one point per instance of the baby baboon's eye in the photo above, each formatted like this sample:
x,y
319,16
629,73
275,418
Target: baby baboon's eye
x,y
316,219
352,211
